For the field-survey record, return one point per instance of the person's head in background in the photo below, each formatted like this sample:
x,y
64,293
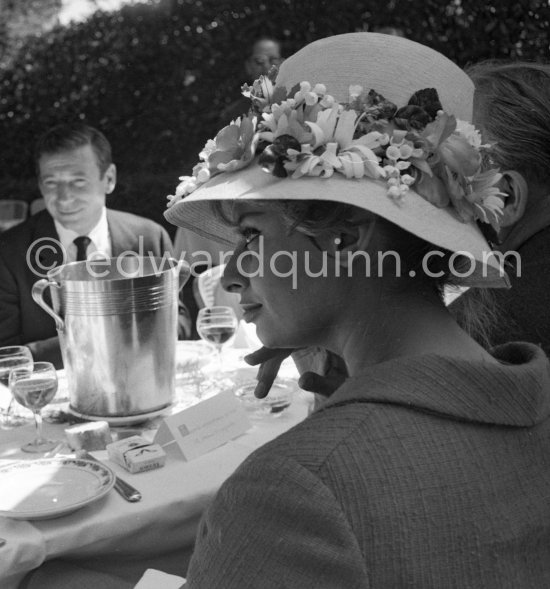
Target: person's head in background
x,y
266,52
512,111
75,173
389,31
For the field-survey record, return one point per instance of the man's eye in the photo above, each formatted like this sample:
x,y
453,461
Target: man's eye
x,y
79,183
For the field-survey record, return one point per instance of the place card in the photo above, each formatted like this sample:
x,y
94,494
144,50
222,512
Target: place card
x,y
204,426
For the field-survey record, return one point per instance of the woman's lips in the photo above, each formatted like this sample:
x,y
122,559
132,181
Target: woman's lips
x,y
250,310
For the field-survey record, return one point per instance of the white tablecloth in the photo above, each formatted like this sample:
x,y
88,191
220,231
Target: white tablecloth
x,y
115,534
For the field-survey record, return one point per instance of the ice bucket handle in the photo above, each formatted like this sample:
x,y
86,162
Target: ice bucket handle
x,y
38,289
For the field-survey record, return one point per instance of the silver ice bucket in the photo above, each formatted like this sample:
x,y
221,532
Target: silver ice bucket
x,y
117,322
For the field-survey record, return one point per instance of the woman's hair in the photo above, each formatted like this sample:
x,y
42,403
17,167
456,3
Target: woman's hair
x,y
512,110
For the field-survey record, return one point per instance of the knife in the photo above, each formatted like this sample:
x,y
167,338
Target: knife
x,y
124,489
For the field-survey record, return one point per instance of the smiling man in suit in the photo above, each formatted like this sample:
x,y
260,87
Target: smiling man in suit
x,y
75,174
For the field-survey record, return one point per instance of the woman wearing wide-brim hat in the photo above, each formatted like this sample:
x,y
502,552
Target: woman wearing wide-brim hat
x,y
429,467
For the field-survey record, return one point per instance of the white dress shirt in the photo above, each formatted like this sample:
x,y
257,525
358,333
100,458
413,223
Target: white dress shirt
x,y
101,240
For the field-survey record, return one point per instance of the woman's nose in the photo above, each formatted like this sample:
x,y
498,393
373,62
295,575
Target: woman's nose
x,y
233,279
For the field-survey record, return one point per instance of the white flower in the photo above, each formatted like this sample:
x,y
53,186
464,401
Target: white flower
x,y
394,192
472,135
186,186
393,153
352,165
442,160
209,147
391,171
330,156
203,176
406,151
323,128
327,101
345,127
311,98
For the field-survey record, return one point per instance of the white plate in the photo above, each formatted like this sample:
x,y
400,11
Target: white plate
x,y
48,488
122,420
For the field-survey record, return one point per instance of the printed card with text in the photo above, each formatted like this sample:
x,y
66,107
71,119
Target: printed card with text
x,y
204,426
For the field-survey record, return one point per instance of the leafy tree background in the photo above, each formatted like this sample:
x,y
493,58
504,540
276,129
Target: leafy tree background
x,y
155,76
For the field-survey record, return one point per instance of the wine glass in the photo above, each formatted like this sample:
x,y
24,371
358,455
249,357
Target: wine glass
x,y
217,325
34,387
12,357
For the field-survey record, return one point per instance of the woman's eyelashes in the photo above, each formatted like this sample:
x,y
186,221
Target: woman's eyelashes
x,y
249,234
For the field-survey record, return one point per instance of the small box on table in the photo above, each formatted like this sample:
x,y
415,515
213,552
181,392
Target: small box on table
x,y
135,454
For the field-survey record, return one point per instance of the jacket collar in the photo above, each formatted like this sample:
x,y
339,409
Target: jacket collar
x,y
514,392
46,241
122,234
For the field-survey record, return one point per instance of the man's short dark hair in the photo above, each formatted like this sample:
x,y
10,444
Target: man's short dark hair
x,y
70,136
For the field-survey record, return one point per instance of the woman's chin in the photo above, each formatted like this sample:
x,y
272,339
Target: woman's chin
x,y
268,338
274,341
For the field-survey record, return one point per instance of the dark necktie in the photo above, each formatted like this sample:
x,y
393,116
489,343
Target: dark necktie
x,y
82,242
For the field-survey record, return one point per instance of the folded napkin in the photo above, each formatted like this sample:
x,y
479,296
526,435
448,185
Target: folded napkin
x,y
153,579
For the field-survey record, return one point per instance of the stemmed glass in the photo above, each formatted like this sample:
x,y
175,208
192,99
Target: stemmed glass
x,y
12,357
217,325
34,387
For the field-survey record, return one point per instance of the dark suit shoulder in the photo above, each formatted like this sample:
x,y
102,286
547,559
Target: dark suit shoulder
x,y
39,225
132,219
131,232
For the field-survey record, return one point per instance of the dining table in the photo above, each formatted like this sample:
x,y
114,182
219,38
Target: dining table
x,y
126,538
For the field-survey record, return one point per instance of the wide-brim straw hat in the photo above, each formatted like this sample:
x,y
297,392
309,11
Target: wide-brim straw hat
x,y
394,67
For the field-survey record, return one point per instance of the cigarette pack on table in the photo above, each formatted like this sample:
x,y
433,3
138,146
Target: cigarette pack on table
x,y
136,454
89,436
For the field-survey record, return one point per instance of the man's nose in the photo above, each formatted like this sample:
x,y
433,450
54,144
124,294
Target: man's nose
x,y
63,192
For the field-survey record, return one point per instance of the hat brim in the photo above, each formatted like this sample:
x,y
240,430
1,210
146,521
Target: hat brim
x,y
412,213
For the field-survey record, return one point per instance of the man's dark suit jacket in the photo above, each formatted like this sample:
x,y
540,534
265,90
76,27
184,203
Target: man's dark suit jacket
x,y
22,321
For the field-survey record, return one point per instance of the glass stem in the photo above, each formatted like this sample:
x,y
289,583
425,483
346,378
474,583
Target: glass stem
x,y
6,414
219,352
38,424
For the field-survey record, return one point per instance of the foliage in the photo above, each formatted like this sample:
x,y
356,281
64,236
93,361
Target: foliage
x,y
21,18
155,76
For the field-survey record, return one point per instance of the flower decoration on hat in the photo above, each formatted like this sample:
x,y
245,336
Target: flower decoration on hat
x,y
306,132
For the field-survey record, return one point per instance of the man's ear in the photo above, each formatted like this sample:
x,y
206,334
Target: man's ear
x,y
110,178
515,186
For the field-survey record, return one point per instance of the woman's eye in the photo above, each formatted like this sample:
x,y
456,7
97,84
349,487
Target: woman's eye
x,y
250,234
